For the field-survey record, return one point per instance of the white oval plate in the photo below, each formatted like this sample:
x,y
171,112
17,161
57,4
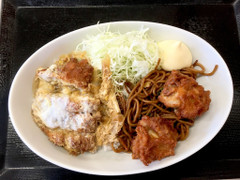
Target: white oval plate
x,y
110,163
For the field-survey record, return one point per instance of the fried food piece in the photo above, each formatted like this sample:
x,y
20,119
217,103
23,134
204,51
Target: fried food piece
x,y
112,120
67,115
75,142
68,120
76,72
75,109
69,71
185,95
155,140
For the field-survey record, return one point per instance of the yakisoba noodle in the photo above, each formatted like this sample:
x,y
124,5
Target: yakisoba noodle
x,y
143,100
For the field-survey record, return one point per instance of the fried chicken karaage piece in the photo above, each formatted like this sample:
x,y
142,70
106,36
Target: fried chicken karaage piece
x,y
155,140
185,95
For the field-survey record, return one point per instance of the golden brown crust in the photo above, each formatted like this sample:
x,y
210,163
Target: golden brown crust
x,y
155,140
82,126
76,72
75,142
183,93
112,120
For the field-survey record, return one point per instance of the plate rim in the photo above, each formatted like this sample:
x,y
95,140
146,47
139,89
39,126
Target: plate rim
x,y
13,84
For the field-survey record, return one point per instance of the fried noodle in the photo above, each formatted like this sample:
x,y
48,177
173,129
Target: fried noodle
x,y
143,100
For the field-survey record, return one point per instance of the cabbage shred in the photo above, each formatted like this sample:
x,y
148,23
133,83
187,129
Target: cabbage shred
x,y
133,54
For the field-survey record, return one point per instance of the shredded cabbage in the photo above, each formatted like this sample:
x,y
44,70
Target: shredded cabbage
x,y
133,54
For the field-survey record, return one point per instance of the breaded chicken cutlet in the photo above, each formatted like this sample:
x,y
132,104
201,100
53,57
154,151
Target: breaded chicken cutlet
x,y
68,108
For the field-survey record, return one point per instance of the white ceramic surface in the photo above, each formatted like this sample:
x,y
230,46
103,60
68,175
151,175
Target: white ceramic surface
x,y
108,162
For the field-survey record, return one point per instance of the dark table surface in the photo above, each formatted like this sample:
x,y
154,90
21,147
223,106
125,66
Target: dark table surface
x,y
28,24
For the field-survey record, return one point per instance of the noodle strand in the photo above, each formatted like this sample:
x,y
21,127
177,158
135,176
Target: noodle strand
x,y
143,100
